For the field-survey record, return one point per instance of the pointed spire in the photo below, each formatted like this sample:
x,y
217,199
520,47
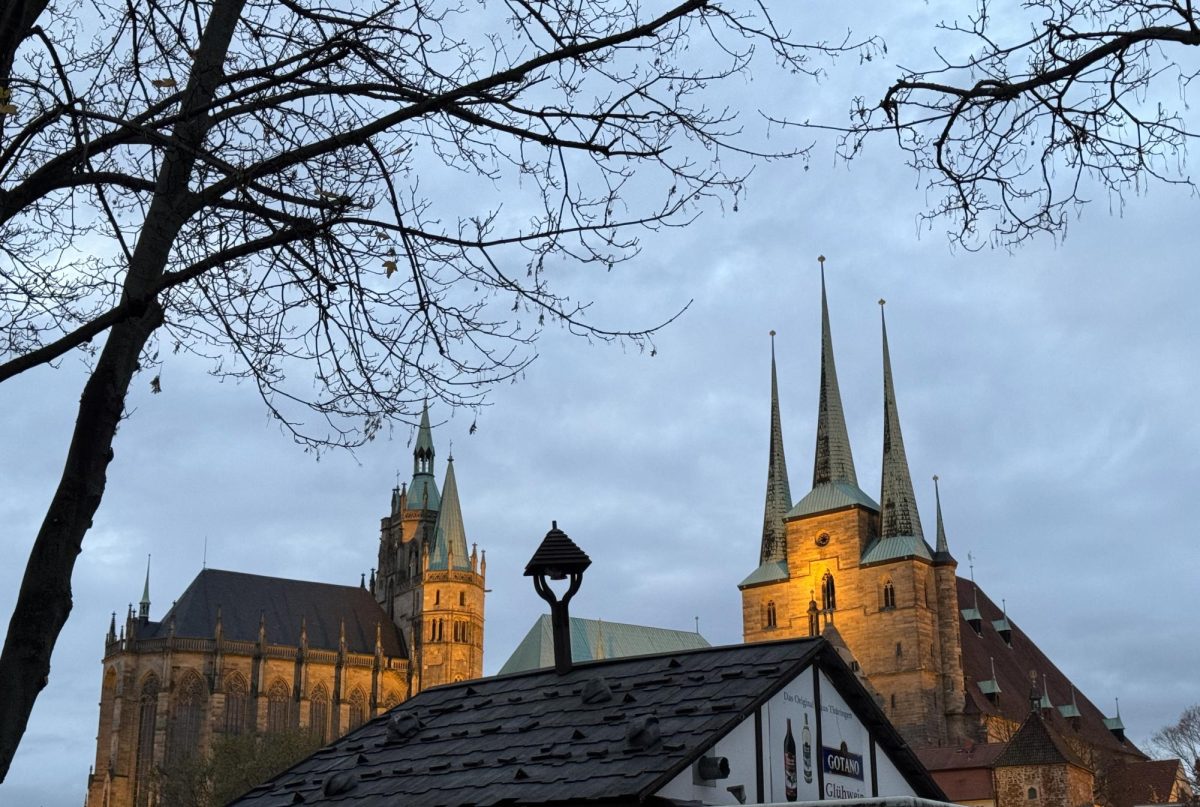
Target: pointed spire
x,y
779,494
833,462
450,537
897,502
423,450
942,554
112,628
144,605
422,494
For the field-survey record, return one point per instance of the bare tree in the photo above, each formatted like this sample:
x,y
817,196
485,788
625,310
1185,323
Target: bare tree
x,y
353,205
1053,101
1181,740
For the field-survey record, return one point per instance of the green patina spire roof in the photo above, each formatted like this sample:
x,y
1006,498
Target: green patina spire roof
x,y
900,533
942,553
833,461
779,494
450,537
423,491
835,484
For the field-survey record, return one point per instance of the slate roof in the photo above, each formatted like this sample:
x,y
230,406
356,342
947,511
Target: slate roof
x,y
539,738
779,492
898,513
593,639
1035,743
1012,667
245,599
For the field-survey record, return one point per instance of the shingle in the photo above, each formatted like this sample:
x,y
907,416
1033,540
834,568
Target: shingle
x,y
574,749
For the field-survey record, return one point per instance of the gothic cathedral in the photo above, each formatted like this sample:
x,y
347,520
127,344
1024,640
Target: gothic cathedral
x,y
241,653
945,663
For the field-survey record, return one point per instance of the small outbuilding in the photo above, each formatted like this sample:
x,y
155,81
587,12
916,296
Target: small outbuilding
x,y
743,724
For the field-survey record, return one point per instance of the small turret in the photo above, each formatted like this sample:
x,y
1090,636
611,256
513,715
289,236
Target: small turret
x,y
1002,625
1115,725
112,629
144,604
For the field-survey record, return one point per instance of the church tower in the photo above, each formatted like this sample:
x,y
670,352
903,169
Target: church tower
x,y
427,582
858,570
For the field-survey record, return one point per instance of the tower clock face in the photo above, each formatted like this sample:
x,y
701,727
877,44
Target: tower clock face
x,y
823,539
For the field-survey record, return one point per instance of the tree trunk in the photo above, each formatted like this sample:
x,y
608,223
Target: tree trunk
x,y
45,597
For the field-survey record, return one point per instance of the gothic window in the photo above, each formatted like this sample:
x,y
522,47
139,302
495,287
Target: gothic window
x,y
433,630
279,708
441,630
770,619
391,701
828,593
237,704
188,718
889,595
358,708
457,631
318,713
147,718
462,599
437,596
1032,794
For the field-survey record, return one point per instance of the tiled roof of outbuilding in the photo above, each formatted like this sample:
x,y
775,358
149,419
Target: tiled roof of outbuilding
x,y
245,600
1035,743
611,731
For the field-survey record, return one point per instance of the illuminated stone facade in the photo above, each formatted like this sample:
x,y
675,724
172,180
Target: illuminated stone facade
x,y
945,663
240,653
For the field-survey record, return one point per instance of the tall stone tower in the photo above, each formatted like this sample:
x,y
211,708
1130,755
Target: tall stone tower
x,y
427,581
858,569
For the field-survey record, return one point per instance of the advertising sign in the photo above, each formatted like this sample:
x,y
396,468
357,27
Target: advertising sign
x,y
845,754
789,743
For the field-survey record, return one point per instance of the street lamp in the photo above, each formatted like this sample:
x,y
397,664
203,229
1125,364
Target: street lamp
x,y
558,558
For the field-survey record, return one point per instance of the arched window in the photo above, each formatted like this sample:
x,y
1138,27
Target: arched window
x,y
1032,794
237,704
770,616
147,720
318,713
279,708
358,709
457,631
828,593
391,701
188,717
889,595
437,596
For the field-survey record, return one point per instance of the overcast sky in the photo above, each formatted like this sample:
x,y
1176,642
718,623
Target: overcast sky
x,y
1053,390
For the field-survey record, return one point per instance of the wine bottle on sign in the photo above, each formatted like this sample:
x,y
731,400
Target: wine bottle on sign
x,y
789,764
806,751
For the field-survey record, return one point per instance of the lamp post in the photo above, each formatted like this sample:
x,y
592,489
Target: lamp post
x,y
558,558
